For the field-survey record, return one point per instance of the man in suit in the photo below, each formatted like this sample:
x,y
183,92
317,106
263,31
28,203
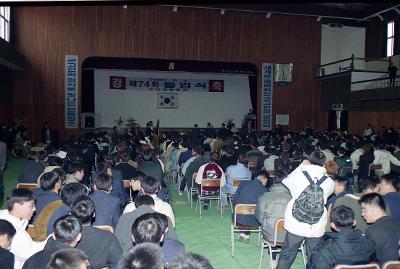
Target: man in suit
x,y
108,208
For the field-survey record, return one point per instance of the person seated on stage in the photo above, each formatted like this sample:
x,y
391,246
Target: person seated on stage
x,y
67,233
383,230
344,246
151,186
102,247
7,232
68,258
238,171
108,209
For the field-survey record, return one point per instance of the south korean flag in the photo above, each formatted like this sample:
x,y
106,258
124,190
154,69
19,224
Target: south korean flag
x,y
167,100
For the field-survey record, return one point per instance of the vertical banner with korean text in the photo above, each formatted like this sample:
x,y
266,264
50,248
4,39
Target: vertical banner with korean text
x,y
266,97
71,91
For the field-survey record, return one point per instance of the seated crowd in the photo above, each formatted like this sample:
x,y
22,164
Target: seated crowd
x,y
338,193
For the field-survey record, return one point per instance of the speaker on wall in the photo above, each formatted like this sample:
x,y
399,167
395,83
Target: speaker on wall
x,y
90,121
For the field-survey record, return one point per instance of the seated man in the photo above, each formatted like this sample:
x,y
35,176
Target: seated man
x,y
76,171
50,185
102,247
21,206
365,185
390,193
68,258
383,230
151,228
108,208
144,204
56,209
151,186
344,246
67,233
271,206
340,190
248,192
237,171
7,232
142,256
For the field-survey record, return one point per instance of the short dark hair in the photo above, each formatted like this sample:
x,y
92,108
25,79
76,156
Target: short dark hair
x,y
242,159
147,228
48,181
343,217
68,258
142,256
138,175
67,228
71,191
124,157
188,260
19,196
261,173
6,228
392,179
342,181
144,200
83,208
373,199
61,174
317,158
150,185
280,175
103,167
368,182
103,182
75,166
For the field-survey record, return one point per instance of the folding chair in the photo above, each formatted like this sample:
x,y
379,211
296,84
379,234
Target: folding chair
x,y
247,210
391,265
127,185
229,196
375,167
105,228
192,190
27,186
210,189
360,266
272,245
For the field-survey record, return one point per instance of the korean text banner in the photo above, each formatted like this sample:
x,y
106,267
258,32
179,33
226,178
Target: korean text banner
x,y
266,99
166,84
71,91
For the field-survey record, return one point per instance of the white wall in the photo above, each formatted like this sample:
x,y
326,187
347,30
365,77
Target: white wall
x,y
340,43
194,107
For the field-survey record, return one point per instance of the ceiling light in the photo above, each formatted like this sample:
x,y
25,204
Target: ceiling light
x,y
222,12
175,9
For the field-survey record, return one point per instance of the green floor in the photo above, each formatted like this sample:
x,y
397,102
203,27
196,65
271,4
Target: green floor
x,y
208,236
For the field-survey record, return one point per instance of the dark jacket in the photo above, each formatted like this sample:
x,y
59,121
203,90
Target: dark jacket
x,y
127,170
385,233
44,198
102,247
41,258
345,247
248,192
108,209
6,259
30,172
152,168
170,248
118,187
193,168
392,200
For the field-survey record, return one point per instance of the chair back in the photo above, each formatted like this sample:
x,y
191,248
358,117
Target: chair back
x,y
373,167
27,186
236,182
279,227
391,265
210,185
127,183
105,228
360,266
244,209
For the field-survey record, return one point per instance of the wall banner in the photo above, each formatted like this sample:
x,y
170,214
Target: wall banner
x,y
166,84
71,91
266,97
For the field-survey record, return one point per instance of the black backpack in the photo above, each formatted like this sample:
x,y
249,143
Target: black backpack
x,y
309,206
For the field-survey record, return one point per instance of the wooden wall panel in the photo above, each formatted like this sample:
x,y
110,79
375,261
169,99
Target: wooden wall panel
x,y
358,120
46,34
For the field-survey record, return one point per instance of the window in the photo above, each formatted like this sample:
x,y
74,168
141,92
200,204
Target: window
x,y
5,23
390,39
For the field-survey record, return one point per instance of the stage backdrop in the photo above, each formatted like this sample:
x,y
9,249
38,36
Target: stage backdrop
x,y
197,97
